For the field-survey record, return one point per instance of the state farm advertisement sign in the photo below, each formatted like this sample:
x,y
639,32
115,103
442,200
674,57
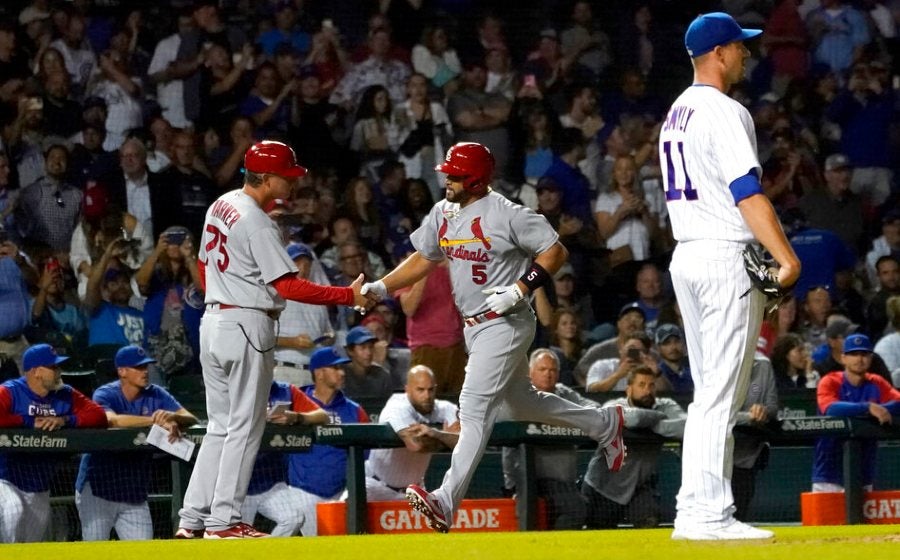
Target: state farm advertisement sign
x,y
397,517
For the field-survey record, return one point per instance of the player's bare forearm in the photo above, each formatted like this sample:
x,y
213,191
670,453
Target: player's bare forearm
x,y
183,418
128,420
550,260
763,222
411,270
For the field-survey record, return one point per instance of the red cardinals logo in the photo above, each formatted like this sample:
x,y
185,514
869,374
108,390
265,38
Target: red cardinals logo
x,y
442,230
479,235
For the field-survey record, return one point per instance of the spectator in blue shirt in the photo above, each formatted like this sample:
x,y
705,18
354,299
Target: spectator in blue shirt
x,y
15,308
821,252
576,190
673,362
285,31
111,488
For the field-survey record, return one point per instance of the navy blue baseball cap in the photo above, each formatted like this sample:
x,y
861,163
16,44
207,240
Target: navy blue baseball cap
x,y
708,31
132,356
326,357
41,355
297,250
857,343
359,335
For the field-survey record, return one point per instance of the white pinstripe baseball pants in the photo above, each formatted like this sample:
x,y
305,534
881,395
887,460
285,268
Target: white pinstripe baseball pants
x,y
99,516
280,503
721,330
23,515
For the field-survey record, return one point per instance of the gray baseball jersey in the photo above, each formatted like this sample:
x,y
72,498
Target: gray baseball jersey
x,y
401,467
490,242
243,252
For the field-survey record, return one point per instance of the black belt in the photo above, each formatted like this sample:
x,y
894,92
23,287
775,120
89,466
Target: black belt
x,y
477,319
14,338
289,364
394,488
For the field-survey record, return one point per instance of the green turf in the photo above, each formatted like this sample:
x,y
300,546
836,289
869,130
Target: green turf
x,y
867,542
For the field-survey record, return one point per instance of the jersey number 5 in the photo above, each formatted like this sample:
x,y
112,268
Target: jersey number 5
x,y
219,240
479,274
672,191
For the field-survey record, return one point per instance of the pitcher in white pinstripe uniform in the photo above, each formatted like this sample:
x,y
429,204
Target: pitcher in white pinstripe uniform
x,y
716,205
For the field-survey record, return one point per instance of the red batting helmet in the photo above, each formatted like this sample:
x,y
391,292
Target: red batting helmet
x,y
471,161
273,157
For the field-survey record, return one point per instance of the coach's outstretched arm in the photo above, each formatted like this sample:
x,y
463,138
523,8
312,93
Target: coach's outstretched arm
x,y
410,271
763,222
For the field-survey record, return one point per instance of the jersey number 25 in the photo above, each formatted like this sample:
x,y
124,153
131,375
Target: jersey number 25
x,y
672,191
219,240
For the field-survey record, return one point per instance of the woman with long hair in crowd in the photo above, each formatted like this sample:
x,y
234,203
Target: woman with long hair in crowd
x,y
359,206
566,341
623,215
793,364
415,202
424,133
374,133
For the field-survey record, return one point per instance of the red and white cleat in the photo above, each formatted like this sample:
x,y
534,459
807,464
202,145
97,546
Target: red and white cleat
x,y
426,504
239,531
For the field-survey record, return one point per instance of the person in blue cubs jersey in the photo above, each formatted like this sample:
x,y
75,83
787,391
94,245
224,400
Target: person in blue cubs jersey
x,y
855,391
269,493
39,400
111,488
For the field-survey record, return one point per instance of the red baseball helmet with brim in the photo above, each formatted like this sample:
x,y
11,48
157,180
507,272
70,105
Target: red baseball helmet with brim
x,y
273,157
471,161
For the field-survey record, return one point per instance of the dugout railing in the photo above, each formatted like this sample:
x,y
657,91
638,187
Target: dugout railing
x,y
357,438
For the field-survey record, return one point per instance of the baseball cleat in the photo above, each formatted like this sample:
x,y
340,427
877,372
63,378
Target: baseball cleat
x,y
426,504
239,531
185,533
614,451
735,531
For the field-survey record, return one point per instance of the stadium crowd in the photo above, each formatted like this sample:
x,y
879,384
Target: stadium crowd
x,y
121,122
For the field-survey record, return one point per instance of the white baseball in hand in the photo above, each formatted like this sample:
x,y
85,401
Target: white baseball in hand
x,y
502,298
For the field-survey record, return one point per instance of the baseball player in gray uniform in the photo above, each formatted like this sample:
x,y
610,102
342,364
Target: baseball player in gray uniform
x,y
247,276
716,205
499,253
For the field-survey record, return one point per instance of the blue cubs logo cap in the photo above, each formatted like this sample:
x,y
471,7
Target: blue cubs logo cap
x,y
41,355
857,343
132,356
708,31
297,250
359,335
326,357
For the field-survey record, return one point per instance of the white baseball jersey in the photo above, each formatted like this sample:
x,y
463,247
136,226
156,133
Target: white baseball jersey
x,y
706,142
243,252
489,243
400,467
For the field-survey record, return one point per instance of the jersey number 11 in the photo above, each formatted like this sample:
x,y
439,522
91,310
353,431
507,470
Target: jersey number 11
x,y
672,190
